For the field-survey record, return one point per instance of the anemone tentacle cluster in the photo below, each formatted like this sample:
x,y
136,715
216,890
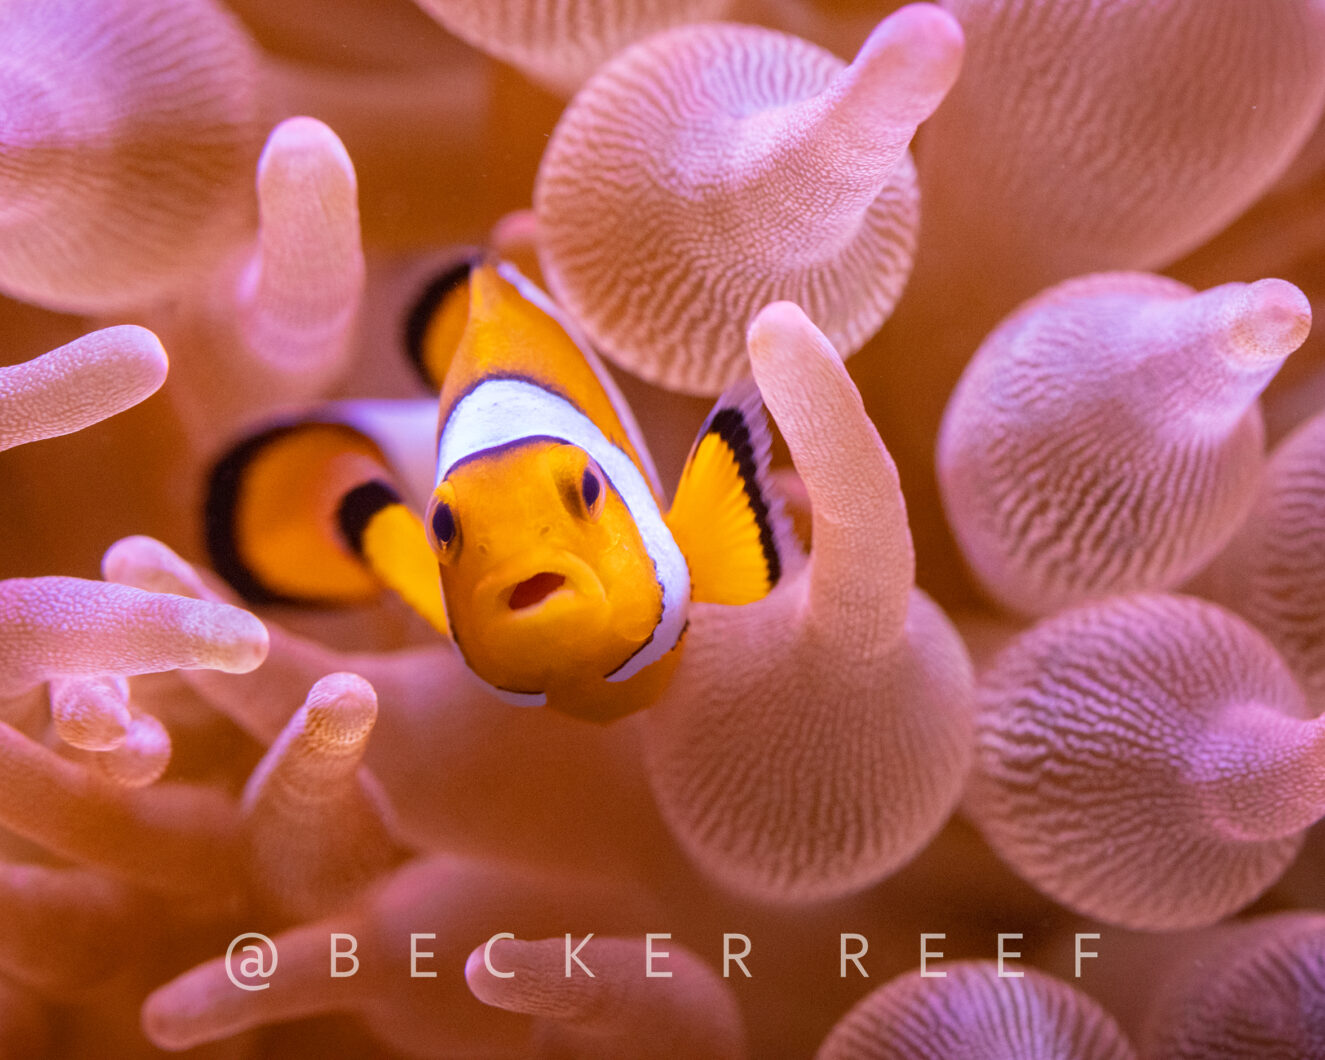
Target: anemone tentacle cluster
x,y
1053,646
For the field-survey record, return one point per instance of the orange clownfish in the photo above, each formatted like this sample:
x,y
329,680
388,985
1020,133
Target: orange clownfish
x,y
544,552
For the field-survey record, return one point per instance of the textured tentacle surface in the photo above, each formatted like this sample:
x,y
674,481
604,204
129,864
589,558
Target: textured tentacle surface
x,y
1257,989
1146,761
128,130
710,170
973,1013
683,1009
317,825
1082,136
561,44
1104,142
79,384
1106,438
813,742
1273,573
66,627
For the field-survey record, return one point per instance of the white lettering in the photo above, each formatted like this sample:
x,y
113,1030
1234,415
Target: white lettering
x,y
1084,953
487,956
415,953
573,955
854,958
925,954
739,958
1002,953
338,955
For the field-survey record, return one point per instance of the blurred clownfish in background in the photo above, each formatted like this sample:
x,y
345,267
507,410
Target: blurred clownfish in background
x,y
543,553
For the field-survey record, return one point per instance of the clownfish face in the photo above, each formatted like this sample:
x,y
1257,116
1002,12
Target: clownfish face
x,y
548,584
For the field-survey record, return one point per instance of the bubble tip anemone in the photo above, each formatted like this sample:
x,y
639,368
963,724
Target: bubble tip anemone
x,y
1271,320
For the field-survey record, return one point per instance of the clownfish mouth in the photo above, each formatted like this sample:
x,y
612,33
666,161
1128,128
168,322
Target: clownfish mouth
x,y
547,588
534,590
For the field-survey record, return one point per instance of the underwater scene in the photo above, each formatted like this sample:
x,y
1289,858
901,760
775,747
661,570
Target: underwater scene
x,y
662,529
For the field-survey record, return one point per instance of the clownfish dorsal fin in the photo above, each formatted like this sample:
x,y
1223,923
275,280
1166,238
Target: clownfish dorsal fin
x,y
437,320
512,330
728,524
307,512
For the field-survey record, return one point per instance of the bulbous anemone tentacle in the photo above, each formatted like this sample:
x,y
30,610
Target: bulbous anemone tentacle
x,y
454,902
974,1012
685,1010
559,44
1273,572
712,169
275,324
300,290
63,627
143,756
1053,89
318,827
1255,989
91,713
1082,136
128,128
1106,438
1146,760
813,742
79,384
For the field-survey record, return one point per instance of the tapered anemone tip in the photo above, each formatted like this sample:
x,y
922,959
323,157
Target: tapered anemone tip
x,y
485,986
145,563
91,713
299,293
777,323
915,56
241,641
303,143
142,757
1271,320
342,709
139,356
781,333
164,1025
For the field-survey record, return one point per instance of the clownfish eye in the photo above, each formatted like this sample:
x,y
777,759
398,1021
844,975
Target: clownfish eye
x,y
443,525
592,491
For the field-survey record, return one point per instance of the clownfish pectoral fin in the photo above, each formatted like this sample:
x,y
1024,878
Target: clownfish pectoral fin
x,y
390,539
437,321
725,519
306,512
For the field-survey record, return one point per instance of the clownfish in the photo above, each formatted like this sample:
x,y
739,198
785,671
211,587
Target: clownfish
x,y
543,552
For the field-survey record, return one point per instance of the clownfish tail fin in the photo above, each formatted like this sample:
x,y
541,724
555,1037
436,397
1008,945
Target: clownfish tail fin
x,y
726,518
306,512
437,319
